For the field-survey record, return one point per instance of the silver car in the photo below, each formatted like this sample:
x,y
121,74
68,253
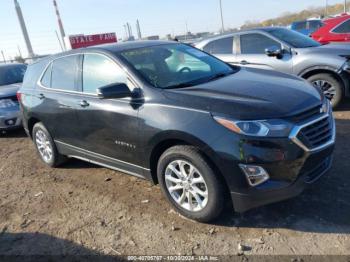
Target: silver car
x,y
281,49
11,77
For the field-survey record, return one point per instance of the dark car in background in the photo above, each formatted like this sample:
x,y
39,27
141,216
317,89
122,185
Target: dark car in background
x,y
325,66
334,30
11,77
174,115
307,27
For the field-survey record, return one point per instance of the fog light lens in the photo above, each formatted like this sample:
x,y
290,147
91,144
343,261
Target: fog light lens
x,y
255,175
10,122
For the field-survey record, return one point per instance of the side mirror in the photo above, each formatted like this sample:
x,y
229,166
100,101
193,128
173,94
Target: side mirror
x,y
117,90
274,51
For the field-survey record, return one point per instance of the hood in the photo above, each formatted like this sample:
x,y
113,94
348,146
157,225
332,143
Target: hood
x,y
250,94
334,48
9,90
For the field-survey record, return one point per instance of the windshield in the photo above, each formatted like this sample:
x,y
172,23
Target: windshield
x,y
175,65
293,38
12,74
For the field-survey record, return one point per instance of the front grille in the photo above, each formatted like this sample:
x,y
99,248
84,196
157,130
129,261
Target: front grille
x,y
305,115
316,134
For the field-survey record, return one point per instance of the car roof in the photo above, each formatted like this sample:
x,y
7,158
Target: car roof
x,y
338,18
255,29
11,65
118,47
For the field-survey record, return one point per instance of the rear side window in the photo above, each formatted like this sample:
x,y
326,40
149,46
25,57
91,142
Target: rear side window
x,y
63,76
33,73
256,43
300,25
314,25
343,28
46,80
99,71
220,46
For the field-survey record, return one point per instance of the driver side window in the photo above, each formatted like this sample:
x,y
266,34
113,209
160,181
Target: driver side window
x,y
99,71
256,43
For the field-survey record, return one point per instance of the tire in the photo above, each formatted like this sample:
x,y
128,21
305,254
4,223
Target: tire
x,y
327,82
40,132
212,202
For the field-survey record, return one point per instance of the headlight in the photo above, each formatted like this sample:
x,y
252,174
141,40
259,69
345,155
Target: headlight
x,y
5,103
260,128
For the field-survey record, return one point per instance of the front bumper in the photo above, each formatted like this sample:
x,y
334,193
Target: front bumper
x,y
10,119
291,170
345,76
275,191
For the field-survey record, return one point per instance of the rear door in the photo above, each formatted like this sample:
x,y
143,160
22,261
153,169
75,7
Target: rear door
x,y
223,48
55,100
252,48
108,127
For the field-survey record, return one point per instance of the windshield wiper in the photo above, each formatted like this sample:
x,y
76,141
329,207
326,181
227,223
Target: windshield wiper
x,y
219,75
181,85
200,81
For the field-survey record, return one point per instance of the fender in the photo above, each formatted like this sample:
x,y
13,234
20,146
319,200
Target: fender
x,y
318,67
342,75
159,143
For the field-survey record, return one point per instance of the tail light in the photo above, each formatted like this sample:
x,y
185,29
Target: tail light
x,y
19,96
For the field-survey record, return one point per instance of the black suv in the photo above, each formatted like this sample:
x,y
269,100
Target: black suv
x,y
172,114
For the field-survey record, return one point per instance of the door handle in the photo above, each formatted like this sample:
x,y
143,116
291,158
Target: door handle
x,y
244,62
41,96
84,103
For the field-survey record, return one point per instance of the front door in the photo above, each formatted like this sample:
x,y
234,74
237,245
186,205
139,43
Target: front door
x,y
109,128
252,53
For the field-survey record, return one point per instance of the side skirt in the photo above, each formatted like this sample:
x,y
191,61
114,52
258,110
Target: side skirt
x,y
101,160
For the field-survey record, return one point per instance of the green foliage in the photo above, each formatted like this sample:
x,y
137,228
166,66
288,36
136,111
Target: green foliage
x,y
288,18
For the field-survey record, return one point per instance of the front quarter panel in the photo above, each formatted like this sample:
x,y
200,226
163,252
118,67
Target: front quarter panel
x,y
305,62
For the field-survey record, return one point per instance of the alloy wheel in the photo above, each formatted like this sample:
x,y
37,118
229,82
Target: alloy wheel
x,y
327,88
186,185
44,146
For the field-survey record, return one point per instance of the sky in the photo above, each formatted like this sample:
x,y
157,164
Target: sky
x,y
157,17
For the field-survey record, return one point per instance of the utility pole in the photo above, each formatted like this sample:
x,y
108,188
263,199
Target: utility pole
x,y
19,51
59,41
129,29
139,35
60,25
24,29
345,7
3,56
222,18
326,10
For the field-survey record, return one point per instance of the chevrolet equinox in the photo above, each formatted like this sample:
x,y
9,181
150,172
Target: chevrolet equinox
x,y
177,116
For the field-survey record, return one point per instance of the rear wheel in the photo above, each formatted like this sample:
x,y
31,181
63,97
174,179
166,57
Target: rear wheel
x,y
329,85
190,184
46,147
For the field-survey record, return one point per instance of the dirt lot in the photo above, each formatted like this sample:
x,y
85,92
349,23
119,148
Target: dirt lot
x,y
76,209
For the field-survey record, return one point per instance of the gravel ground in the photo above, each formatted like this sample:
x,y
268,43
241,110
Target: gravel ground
x,y
81,208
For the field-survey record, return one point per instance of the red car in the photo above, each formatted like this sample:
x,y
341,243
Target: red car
x,y
334,30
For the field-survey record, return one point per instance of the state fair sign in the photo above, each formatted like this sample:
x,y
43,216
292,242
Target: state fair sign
x,y
79,41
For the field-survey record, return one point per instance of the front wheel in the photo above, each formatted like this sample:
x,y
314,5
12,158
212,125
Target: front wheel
x,y
190,184
329,85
